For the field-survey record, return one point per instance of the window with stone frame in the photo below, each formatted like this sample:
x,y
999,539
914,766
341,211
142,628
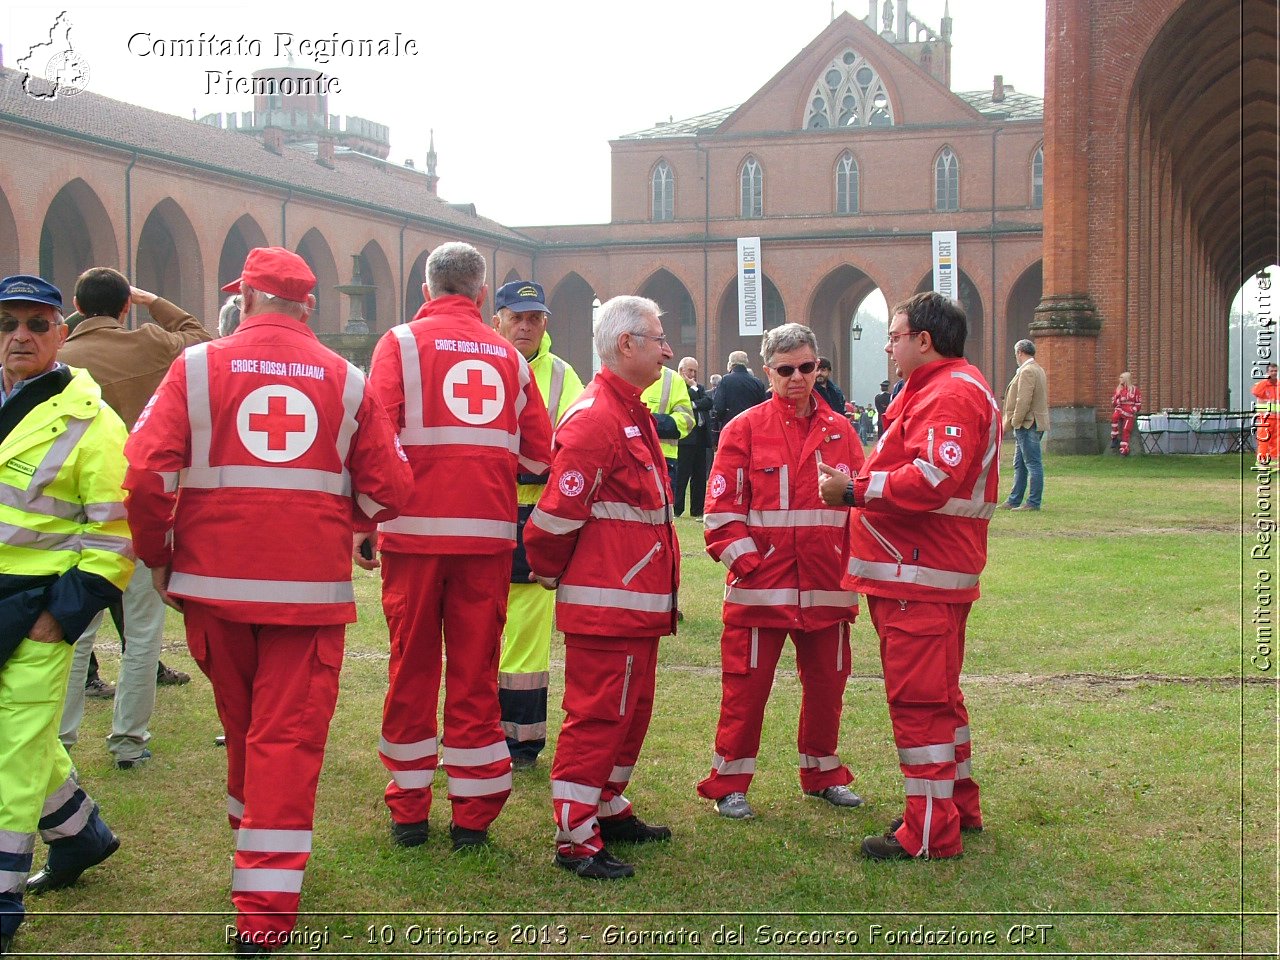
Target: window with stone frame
x,y
663,192
752,182
849,93
946,181
847,200
1037,178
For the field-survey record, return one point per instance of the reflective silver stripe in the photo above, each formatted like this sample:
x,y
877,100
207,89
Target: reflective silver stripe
x,y
524,681
609,510
925,576
352,395
955,507
195,360
964,770
523,377
611,808
784,488
737,549
552,524
668,377
875,488
370,507
644,562
479,786
234,807
12,881
821,764
574,792
56,800
169,478
55,458
933,475
579,834
411,378
934,753
413,779
14,536
48,506
557,388
72,825
797,518
408,751
524,731
107,544
585,403
621,774
733,768
273,841
451,527
476,756
927,828
261,591
459,436
17,842
962,734
536,467
827,598
268,478
104,512
616,599
755,647
714,521
761,598
918,787
244,880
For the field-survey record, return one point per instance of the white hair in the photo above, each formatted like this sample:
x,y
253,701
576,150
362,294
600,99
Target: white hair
x,y
784,339
618,316
456,268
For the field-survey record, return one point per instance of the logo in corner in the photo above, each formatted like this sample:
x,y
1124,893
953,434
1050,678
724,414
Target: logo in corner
x,y
950,452
572,483
66,73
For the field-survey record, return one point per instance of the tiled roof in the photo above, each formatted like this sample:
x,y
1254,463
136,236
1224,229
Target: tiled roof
x,y
1015,106
177,139
683,128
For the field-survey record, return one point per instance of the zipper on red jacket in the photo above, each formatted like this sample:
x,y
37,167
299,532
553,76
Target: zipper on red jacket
x,y
892,550
644,562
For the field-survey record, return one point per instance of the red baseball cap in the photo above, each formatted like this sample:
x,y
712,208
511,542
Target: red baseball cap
x,y
276,271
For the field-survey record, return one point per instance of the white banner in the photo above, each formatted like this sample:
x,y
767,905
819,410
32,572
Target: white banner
x,y
946,275
750,288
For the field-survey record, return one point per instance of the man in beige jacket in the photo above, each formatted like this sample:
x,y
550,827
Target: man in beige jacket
x,y
1026,413
128,365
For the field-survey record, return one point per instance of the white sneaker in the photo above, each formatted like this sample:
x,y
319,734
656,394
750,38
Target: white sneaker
x,y
735,807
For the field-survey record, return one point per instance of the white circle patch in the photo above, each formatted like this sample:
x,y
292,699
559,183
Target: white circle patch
x,y
571,483
717,485
844,468
277,423
950,452
474,391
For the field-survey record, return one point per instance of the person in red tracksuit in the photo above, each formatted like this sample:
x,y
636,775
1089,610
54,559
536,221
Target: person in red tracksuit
x,y
277,448
603,533
1125,404
470,417
917,545
784,548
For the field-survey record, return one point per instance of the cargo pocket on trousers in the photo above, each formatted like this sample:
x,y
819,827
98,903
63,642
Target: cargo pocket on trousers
x,y
916,644
605,681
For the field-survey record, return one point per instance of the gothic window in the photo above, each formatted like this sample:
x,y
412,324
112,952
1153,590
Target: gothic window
x,y
946,181
664,192
1037,178
752,189
847,184
849,94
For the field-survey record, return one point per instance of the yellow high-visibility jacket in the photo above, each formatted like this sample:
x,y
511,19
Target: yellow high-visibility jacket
x,y
669,396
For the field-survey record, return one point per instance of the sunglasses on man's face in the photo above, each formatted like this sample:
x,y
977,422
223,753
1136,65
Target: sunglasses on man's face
x,y
39,324
786,370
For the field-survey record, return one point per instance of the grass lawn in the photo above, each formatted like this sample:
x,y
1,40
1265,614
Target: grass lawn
x,y
1129,780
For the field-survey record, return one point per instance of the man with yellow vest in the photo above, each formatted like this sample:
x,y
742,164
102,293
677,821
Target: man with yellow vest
x,y
668,398
524,668
65,554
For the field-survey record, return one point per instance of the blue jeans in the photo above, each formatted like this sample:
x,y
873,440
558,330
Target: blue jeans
x,y
1027,461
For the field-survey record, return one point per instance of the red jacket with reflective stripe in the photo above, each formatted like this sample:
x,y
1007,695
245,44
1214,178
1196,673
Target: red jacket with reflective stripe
x,y
273,449
767,523
603,525
470,416
928,491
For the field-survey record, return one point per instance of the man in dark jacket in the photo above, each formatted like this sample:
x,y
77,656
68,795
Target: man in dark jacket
x,y
691,465
882,404
739,390
825,387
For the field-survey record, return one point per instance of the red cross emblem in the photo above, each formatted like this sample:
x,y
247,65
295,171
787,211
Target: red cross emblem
x,y
474,391
277,423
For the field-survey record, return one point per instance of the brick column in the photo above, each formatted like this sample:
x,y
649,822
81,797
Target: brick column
x,y
1067,324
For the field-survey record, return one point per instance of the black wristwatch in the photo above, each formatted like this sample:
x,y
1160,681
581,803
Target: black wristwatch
x,y
848,495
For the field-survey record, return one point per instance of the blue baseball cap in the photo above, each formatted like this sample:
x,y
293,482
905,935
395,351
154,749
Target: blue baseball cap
x,y
31,289
521,296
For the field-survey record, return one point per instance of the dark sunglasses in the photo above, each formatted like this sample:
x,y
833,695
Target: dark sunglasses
x,y
34,324
786,370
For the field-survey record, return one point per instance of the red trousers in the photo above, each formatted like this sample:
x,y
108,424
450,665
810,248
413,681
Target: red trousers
x,y
275,688
749,657
1122,428
608,700
922,650
454,605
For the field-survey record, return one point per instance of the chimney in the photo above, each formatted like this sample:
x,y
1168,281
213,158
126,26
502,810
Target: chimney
x,y
273,140
324,152
997,89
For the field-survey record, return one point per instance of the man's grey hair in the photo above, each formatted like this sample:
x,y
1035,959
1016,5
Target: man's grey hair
x,y
1025,346
684,360
737,359
618,316
456,268
784,339
229,316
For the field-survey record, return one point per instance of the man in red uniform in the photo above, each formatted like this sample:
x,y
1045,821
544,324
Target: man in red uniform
x,y
1266,417
275,444
470,416
603,534
784,548
917,545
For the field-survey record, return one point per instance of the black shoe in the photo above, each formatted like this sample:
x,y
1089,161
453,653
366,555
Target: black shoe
x,y
99,689
603,866
884,848
131,762
896,822
247,948
169,677
521,763
409,834
47,879
632,830
6,943
466,839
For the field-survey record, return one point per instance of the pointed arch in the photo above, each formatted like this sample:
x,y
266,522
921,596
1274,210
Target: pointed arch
x,y
379,303
417,276
837,300
975,344
168,261
570,325
1037,177
946,180
77,234
243,236
1024,297
849,93
680,318
848,198
9,258
775,314
662,192
751,183
314,248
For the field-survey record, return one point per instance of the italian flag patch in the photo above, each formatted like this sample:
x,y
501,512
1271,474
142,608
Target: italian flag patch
x,y
952,431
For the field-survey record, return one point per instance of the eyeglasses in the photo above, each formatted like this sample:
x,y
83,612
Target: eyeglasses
x,y
786,370
659,339
39,324
895,337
